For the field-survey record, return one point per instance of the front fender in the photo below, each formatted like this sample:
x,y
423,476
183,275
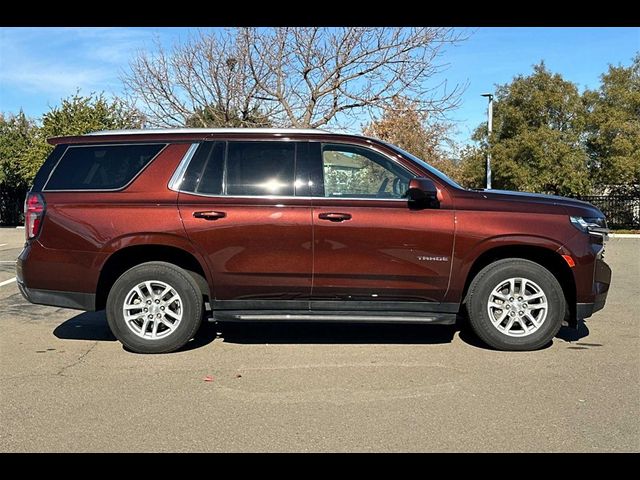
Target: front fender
x,y
464,258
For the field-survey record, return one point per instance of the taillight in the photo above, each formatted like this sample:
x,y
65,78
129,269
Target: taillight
x,y
33,214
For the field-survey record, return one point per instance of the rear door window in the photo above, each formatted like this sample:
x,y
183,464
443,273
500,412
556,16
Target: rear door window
x,y
101,167
260,168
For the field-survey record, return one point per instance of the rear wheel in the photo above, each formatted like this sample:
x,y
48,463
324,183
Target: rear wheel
x,y
515,304
154,307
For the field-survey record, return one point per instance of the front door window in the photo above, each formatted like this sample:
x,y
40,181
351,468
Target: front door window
x,y
355,172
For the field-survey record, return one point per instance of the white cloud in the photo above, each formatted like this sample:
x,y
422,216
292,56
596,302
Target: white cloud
x,y
56,61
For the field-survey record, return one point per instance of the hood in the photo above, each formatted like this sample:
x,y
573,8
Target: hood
x,y
570,206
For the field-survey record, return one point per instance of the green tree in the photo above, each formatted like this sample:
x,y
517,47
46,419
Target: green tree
x,y
537,140
23,145
19,136
613,129
20,144
214,116
78,115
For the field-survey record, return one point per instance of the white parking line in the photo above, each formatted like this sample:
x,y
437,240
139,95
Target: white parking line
x,y
7,261
2,244
7,282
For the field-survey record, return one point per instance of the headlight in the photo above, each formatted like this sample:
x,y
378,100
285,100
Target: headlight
x,y
597,225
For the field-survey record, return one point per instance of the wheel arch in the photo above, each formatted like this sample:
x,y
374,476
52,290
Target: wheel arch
x,y
129,256
549,259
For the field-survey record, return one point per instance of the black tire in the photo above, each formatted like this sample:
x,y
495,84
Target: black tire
x,y
489,278
184,285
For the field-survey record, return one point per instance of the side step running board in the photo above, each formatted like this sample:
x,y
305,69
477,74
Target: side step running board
x,y
348,316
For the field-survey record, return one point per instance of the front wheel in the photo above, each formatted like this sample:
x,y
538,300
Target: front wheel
x,y
515,304
154,307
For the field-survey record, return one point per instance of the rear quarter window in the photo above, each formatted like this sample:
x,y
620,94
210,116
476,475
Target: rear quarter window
x,y
100,167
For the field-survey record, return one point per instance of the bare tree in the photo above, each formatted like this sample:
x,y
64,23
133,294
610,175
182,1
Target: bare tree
x,y
208,73
299,77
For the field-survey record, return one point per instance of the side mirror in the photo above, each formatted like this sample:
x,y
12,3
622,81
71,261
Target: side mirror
x,y
423,193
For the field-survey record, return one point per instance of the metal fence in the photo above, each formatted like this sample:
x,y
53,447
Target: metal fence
x,y
621,211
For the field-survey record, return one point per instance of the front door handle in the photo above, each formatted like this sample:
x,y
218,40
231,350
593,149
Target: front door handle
x,y
335,217
210,215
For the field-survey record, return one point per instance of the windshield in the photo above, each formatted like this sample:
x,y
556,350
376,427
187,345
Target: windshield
x,y
437,173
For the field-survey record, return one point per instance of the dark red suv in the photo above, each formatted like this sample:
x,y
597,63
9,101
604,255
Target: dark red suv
x,y
260,225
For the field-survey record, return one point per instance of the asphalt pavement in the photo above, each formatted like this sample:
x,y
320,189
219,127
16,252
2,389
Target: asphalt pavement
x,y
66,385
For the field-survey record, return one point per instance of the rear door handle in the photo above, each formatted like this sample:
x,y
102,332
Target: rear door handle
x,y
210,215
335,217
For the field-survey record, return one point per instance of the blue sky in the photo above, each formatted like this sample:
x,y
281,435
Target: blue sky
x,y
39,66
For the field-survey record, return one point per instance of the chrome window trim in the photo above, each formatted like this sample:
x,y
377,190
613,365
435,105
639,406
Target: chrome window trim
x,y
186,160
362,198
178,175
292,197
124,187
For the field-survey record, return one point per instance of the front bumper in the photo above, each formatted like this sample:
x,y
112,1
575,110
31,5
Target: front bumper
x,y
585,310
600,289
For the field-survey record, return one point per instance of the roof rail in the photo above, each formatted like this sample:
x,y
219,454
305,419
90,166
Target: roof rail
x,y
282,131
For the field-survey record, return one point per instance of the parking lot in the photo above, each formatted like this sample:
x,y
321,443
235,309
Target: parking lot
x,y
67,385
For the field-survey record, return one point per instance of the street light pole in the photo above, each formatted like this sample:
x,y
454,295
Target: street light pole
x,y
489,130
